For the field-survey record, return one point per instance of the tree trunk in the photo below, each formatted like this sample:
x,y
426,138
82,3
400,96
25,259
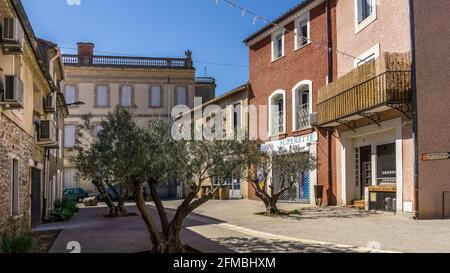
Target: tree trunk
x,y
271,208
106,198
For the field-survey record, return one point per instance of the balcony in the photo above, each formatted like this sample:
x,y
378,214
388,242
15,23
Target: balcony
x,y
47,135
278,123
371,88
302,119
133,62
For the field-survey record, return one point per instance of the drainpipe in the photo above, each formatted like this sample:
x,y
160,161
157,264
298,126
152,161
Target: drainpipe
x,y
414,106
44,190
330,79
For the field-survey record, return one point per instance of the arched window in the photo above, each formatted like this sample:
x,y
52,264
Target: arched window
x,y
277,113
302,105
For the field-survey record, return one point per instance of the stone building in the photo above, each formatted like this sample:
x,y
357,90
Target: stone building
x,y
27,128
150,87
230,111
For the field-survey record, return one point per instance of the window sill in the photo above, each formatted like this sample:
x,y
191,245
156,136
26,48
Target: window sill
x,y
368,21
16,217
301,47
305,130
279,135
277,59
102,107
156,107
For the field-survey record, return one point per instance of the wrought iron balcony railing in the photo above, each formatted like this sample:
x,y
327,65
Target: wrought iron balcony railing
x,y
278,123
303,120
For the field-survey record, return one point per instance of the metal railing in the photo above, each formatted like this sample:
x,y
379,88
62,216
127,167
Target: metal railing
x,y
144,62
278,122
303,113
205,80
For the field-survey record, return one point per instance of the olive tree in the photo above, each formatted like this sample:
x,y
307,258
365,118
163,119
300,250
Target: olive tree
x,y
102,156
193,162
287,164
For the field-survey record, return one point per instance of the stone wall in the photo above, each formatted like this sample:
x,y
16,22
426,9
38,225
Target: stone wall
x,y
15,143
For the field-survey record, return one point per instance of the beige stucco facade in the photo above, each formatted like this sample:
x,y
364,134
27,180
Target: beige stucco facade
x,y
87,77
226,108
22,195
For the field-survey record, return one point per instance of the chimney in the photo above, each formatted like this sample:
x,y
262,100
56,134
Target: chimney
x,y
85,53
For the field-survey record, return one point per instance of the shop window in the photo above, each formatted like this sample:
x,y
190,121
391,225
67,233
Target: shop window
x,y
386,164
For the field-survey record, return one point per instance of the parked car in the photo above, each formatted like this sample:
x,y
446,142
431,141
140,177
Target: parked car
x,y
75,194
120,189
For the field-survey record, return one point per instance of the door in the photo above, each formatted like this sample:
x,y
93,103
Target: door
x,y
235,189
366,170
35,197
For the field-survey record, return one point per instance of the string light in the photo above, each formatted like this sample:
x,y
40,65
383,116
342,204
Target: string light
x,y
256,17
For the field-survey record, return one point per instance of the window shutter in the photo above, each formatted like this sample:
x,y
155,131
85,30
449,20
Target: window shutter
x,y
126,96
69,136
156,96
102,96
181,96
70,94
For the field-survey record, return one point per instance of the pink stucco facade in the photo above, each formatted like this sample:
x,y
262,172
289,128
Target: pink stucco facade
x,y
432,37
389,29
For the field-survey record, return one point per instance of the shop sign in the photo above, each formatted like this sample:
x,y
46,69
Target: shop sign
x,y
301,142
436,156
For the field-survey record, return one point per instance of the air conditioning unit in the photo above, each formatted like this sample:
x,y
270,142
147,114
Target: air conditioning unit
x,y
12,94
13,36
50,104
313,119
47,133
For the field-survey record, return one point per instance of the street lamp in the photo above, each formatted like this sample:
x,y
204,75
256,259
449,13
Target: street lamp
x,y
71,104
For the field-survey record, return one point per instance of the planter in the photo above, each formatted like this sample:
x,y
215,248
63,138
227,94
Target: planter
x,y
318,193
224,193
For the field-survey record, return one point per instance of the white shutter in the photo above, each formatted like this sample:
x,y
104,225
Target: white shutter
x,y
69,178
156,96
181,95
69,136
102,96
126,96
70,94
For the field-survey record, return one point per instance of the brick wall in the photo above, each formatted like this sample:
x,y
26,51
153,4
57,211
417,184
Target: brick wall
x,y
307,63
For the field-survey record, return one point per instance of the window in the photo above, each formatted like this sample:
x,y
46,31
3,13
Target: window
x,y
277,118
126,96
365,9
102,96
69,136
69,178
181,95
369,55
386,164
365,13
302,105
155,96
15,188
237,117
302,31
70,94
277,45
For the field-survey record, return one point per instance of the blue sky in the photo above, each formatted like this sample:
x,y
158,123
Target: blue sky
x,y
159,28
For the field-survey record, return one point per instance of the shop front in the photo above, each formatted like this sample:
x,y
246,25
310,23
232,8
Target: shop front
x,y
372,166
303,191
